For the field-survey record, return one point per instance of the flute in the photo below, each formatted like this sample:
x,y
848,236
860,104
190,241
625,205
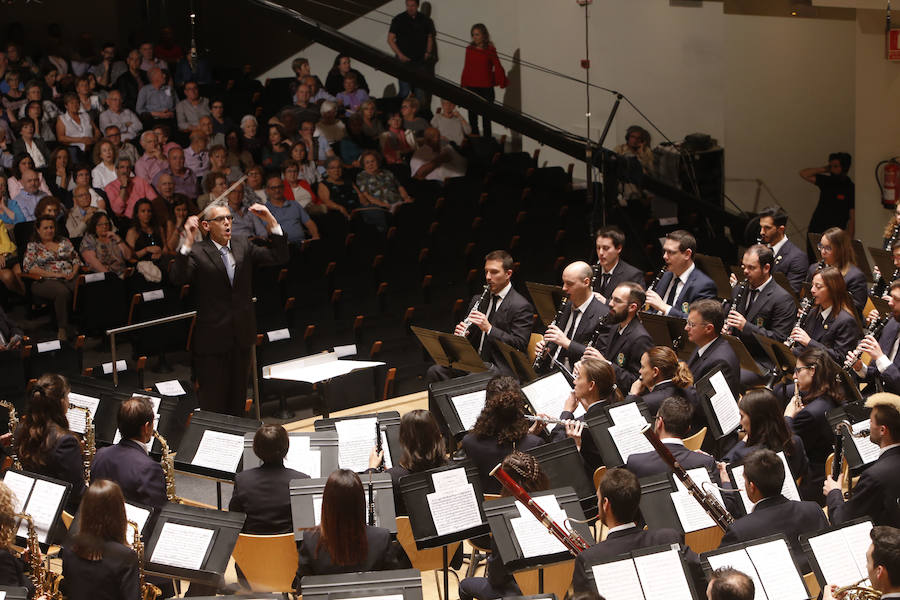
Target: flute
x,y
537,419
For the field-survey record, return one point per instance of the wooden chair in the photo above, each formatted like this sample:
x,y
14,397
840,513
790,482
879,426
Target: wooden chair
x,y
431,559
695,441
67,519
269,562
535,338
812,585
704,540
557,578
599,474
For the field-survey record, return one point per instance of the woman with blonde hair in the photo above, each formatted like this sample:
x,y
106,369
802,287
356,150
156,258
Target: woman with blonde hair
x,y
12,568
661,375
836,249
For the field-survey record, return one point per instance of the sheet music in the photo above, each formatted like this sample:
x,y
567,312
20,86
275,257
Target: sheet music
x,y
627,414
629,439
76,415
454,510
138,515
776,569
317,508
618,580
737,479
835,558
48,346
43,506
386,448
690,512
301,458
788,487
219,451
533,537
739,560
858,541
20,485
868,451
170,388
313,369
548,396
724,404
182,546
448,480
468,407
662,575
355,442
121,365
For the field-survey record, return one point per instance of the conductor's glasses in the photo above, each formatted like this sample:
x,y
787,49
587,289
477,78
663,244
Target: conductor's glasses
x,y
222,219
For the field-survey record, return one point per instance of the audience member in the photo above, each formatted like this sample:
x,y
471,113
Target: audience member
x,y
329,127
482,71
299,190
196,155
126,189
411,37
243,222
222,123
105,170
152,162
81,211
25,201
451,124
146,237
108,69
290,215
352,96
214,185
378,186
411,119
435,160
52,257
130,82
334,83
250,141
75,129
185,180
22,163
28,144
116,115
395,145
189,110
156,101
276,149
306,168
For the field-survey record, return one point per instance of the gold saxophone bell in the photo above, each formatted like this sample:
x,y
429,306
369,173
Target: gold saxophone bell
x,y
148,590
13,425
167,461
46,583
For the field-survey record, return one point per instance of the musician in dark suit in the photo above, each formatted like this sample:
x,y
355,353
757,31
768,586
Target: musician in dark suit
x,y
684,282
703,326
884,365
127,463
789,259
832,324
836,249
662,376
10,333
618,500
220,271
772,512
611,271
579,318
627,339
877,493
263,493
765,308
507,317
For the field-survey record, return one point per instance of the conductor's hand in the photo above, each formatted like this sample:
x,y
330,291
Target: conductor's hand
x,y
191,225
573,430
735,320
263,213
375,457
555,334
480,320
654,300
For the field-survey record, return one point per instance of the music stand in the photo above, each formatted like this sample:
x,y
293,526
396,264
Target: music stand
x,y
780,356
884,260
546,300
705,392
862,261
663,328
226,527
782,280
880,305
659,511
814,239
383,584
743,354
14,593
685,571
852,413
715,270
24,484
564,466
325,442
449,350
598,426
517,361
794,577
388,422
305,491
440,402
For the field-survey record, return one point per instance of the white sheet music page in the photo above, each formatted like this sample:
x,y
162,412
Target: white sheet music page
x,y
548,396
43,506
138,515
453,504
170,388
629,440
835,558
219,451
662,576
618,580
75,414
739,560
776,569
627,414
356,438
858,541
724,404
468,407
301,458
20,485
182,546
317,508
737,477
690,512
532,535
867,450
789,487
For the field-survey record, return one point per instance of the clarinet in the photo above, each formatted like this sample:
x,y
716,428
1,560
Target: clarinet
x,y
595,270
889,243
655,281
805,306
880,286
598,331
378,448
709,502
484,294
735,305
542,360
836,466
371,501
572,540
874,329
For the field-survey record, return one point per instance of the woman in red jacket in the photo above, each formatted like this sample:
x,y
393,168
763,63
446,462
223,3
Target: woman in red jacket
x,y
482,72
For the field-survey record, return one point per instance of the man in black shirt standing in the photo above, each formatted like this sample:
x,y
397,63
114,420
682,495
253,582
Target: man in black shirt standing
x,y
411,37
837,195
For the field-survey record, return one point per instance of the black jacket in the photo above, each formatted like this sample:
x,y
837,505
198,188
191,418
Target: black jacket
x,y
114,577
771,315
263,493
487,453
793,262
698,286
855,281
510,324
64,462
837,335
621,273
718,354
649,463
585,330
624,351
876,494
589,451
381,555
141,478
891,376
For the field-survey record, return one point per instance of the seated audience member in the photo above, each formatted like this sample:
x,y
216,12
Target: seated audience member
x,y
43,442
222,123
81,176
836,248
105,170
772,512
214,185
132,80
307,170
299,190
12,565
196,155
22,163
317,147
317,93
24,203
165,199
151,162
124,192
877,493
140,477
618,500
146,237
434,160
683,282
163,135
60,178
97,564
205,124
450,122
342,542
107,69
351,146
395,145
243,222
334,83
250,141
125,149
501,428
185,179
116,115
409,109
371,124
75,129
262,493
49,89
102,249
290,215
28,143
235,156
255,186
40,111
303,108
703,327
329,127
727,583
336,193
379,186
156,101
12,92
189,110
88,102
48,206
179,210
276,149
10,270
218,162
832,324
351,96
148,61
6,145
52,257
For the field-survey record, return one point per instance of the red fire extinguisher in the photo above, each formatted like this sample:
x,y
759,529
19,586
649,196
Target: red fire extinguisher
x,y
889,182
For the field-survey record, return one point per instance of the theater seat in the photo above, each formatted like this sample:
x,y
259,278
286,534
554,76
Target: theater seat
x,y
269,562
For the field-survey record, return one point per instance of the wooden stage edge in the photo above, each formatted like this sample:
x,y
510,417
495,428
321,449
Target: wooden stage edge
x,y
402,404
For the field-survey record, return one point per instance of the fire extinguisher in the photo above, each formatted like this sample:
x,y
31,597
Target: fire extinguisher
x,y
889,182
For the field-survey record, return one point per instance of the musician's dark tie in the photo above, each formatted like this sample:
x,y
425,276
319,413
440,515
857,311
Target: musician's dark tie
x,y
604,282
751,298
670,300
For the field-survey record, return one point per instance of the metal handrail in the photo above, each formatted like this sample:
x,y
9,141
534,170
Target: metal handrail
x,y
134,327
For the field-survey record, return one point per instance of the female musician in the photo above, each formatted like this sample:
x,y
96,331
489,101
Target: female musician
x,y
43,441
832,324
661,375
892,226
764,427
836,248
498,582
817,392
501,428
342,542
97,562
423,449
12,568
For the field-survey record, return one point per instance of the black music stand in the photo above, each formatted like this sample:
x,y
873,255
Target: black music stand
x,y
146,527
201,422
598,426
546,299
862,261
814,239
517,361
56,531
449,350
440,395
665,330
884,260
414,489
685,571
303,513
707,568
226,525
656,503
562,463
401,582
780,356
705,392
326,442
853,413
782,280
743,354
14,593
388,422
715,270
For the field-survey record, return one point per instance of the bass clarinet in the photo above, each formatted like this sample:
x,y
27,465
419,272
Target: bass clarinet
x,y
722,517
571,539
542,360
478,306
805,306
874,329
736,303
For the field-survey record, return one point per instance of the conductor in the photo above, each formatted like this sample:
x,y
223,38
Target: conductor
x,y
219,270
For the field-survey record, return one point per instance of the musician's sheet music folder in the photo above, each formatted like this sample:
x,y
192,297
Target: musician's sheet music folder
x,y
356,438
837,555
719,403
648,573
306,502
43,499
213,445
14,593
767,561
400,584
311,452
449,350
441,395
616,431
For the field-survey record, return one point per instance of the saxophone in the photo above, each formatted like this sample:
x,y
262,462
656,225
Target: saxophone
x,y
46,583
148,590
167,461
89,448
13,425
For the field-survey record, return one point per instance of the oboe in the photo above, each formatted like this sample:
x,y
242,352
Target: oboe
x,y
874,329
709,503
371,501
541,361
572,540
736,304
805,306
478,306
378,447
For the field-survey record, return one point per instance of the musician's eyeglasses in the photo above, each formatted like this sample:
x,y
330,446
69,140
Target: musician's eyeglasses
x,y
798,369
823,248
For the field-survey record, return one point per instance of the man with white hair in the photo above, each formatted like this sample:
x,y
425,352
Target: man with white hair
x,y
117,115
151,163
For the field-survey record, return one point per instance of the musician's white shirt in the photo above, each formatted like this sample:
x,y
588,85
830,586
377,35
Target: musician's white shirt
x,y
886,448
678,441
777,247
622,527
703,348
